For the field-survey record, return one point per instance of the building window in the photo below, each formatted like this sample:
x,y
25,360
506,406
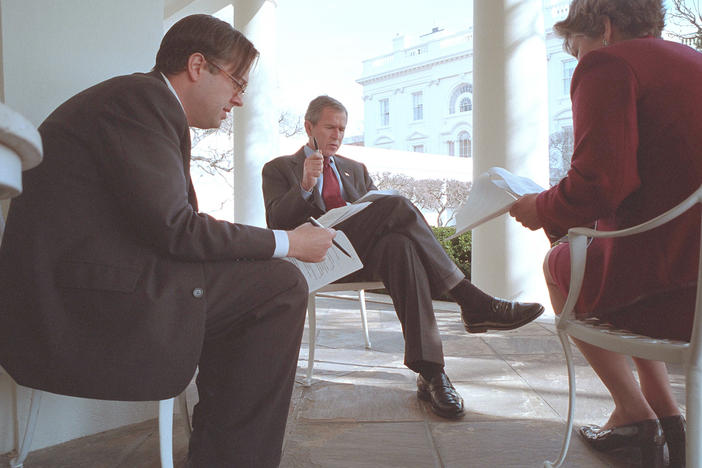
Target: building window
x,y
568,67
417,106
418,148
451,148
384,113
458,96
464,145
466,105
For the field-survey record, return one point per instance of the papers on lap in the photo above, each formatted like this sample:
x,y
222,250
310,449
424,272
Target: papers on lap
x,y
334,266
493,193
337,215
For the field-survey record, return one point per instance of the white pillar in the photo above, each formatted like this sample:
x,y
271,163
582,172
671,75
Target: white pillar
x,y
256,123
511,130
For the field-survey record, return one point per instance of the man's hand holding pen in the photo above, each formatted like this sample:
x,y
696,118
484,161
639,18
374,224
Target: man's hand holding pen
x,y
312,169
310,243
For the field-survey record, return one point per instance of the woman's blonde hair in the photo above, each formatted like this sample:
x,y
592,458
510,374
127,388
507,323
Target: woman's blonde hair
x,y
633,18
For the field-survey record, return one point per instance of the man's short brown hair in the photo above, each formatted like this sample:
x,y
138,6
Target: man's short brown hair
x,y
314,110
217,40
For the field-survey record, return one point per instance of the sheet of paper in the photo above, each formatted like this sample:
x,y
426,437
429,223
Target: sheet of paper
x,y
493,193
375,194
337,215
334,266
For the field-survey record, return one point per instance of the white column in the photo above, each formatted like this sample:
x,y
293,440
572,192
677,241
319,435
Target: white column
x,y
256,123
511,131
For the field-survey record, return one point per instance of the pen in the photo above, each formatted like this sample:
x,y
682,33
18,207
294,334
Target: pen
x,y
318,224
316,146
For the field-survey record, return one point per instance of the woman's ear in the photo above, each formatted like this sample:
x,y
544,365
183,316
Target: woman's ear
x,y
607,35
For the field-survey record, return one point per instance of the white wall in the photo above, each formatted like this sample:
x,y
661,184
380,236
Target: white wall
x,y
51,50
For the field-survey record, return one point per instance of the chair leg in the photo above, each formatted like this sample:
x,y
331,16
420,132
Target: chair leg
x,y
693,436
364,317
165,432
35,402
571,402
183,401
312,321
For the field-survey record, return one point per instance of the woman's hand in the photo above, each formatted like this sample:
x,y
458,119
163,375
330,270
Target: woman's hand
x,y
524,211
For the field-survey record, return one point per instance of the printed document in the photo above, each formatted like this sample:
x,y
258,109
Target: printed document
x,y
493,193
337,215
334,266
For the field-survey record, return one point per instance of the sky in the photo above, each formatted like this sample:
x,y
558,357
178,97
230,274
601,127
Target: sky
x,y
322,44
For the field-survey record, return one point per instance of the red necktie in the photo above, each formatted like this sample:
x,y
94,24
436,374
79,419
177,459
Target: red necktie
x,y
331,193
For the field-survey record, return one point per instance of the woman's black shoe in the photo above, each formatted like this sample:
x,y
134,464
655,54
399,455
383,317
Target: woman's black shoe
x,y
674,431
646,436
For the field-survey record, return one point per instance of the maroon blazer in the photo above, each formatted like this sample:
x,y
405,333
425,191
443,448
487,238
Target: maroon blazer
x,y
101,278
285,207
637,115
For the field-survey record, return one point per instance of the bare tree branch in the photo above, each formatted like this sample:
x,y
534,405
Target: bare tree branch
x,y
560,146
289,124
687,15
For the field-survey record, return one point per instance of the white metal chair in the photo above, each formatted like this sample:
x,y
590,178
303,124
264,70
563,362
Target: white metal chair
x,y
165,428
629,343
312,314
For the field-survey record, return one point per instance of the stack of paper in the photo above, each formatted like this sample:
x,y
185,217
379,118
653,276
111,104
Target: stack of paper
x,y
492,194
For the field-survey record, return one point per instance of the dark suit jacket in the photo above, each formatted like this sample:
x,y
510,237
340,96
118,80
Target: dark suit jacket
x,y
102,256
285,207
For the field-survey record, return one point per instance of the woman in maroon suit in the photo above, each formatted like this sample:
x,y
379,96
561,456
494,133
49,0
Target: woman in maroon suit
x,y
637,116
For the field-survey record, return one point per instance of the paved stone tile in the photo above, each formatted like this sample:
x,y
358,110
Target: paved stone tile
x,y
507,399
373,376
478,369
508,443
104,450
357,356
511,343
547,375
465,345
360,403
364,445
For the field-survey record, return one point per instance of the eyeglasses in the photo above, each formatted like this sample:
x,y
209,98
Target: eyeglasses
x,y
239,87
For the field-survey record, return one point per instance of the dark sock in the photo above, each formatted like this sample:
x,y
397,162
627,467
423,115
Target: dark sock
x,y
428,369
469,297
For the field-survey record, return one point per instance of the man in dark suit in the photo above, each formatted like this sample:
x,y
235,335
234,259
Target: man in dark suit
x,y
114,286
395,244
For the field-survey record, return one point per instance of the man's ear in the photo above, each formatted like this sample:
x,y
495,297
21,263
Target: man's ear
x,y
308,128
196,66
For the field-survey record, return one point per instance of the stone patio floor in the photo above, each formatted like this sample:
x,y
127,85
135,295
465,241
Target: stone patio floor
x,y
361,410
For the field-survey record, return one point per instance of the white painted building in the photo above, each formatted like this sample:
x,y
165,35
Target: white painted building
x,y
419,97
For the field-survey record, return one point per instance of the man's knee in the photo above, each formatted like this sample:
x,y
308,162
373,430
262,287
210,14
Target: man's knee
x,y
287,273
399,202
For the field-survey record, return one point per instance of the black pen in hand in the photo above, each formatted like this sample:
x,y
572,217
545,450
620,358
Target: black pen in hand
x,y
318,224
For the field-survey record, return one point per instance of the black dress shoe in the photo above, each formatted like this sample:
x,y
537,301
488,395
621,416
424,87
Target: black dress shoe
x,y
674,431
646,436
439,392
502,315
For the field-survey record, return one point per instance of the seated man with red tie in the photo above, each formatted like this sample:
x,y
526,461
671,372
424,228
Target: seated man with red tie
x,y
395,244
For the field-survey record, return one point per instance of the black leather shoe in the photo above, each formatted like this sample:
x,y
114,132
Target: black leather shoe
x,y
646,436
502,315
439,392
674,431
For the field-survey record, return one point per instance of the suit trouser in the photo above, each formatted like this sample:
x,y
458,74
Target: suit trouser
x,y
396,245
255,319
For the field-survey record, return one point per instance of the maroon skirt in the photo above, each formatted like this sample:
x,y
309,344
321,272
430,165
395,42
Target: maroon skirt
x,y
667,314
